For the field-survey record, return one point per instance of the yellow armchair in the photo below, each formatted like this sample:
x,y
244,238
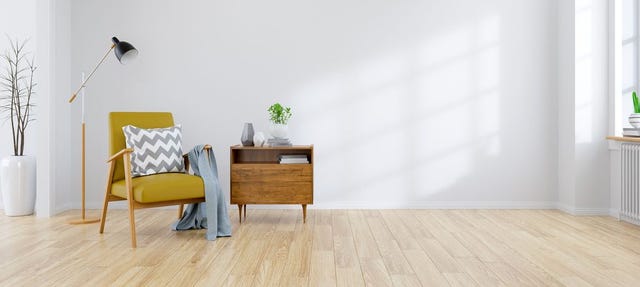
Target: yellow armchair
x,y
147,191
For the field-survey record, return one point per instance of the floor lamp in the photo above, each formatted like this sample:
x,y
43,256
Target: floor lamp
x,y
124,52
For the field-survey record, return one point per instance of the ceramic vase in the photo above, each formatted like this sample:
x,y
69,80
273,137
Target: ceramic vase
x,y
279,131
247,135
634,120
258,139
18,185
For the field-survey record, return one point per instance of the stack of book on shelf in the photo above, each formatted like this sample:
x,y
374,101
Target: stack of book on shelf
x,y
278,142
631,132
293,158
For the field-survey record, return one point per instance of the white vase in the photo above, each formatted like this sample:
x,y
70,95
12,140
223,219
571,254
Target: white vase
x,y
18,185
279,131
634,120
258,139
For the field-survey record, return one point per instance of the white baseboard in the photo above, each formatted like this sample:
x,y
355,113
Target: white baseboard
x,y
591,211
564,208
380,205
400,205
437,205
63,208
579,211
613,212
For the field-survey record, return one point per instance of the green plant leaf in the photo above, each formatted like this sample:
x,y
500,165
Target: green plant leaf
x,y
279,114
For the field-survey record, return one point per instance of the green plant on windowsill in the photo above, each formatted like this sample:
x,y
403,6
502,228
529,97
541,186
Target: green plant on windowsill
x,y
634,119
636,104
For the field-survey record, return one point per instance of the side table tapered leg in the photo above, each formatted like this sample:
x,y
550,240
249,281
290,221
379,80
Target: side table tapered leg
x,y
304,213
240,212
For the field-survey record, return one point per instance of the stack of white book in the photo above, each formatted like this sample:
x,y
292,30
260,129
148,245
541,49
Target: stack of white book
x,y
293,158
631,132
278,142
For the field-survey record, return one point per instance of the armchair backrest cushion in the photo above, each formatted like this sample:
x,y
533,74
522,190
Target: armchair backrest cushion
x,y
146,120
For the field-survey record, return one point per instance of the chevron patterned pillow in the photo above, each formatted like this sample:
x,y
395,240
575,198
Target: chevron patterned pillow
x,y
154,150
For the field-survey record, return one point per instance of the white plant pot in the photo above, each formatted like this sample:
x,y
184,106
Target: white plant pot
x,y
18,185
279,131
634,120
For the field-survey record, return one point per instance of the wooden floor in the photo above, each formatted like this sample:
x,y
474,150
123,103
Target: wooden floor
x,y
344,248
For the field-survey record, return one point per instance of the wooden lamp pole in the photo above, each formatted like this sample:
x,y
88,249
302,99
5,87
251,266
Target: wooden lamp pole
x,y
83,219
124,52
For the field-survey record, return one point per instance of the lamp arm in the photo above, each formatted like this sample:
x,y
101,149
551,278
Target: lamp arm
x,y
73,97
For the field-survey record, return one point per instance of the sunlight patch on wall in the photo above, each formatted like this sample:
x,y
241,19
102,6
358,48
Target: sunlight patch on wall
x,y
583,70
415,120
487,69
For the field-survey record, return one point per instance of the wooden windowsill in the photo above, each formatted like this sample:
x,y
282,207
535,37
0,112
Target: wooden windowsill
x,y
624,139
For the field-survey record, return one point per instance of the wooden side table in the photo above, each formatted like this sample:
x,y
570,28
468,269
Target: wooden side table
x,y
257,177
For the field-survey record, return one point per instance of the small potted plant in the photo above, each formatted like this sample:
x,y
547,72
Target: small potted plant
x,y
279,116
18,171
634,119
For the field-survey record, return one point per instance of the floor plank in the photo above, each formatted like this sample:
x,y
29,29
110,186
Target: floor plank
x,y
334,248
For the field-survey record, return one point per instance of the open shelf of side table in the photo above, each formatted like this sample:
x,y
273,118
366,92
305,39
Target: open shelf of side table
x,y
258,178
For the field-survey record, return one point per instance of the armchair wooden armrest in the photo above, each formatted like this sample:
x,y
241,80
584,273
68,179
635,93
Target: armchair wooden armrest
x,y
120,153
185,157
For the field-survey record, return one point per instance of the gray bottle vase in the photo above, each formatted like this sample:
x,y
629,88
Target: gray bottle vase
x,y
247,135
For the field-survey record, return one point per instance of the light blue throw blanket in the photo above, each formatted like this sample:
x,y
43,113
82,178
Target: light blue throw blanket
x,y
211,214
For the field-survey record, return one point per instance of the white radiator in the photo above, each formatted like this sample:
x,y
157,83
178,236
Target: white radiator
x,y
630,197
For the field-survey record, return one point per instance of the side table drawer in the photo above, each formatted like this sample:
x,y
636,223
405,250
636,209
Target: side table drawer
x,y
272,193
271,172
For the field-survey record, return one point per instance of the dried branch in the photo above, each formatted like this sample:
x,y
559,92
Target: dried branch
x,y
16,91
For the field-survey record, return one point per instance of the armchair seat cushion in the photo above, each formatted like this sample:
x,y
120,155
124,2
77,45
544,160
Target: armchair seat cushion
x,y
161,187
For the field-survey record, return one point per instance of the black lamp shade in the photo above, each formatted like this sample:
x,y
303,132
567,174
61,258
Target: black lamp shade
x,y
124,51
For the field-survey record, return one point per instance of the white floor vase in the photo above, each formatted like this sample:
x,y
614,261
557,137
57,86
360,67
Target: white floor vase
x,y
18,185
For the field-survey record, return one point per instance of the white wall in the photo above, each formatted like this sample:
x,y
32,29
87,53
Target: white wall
x,y
53,133
592,105
566,106
583,106
408,103
61,91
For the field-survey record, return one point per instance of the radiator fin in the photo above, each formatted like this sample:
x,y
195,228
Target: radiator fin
x,y
630,197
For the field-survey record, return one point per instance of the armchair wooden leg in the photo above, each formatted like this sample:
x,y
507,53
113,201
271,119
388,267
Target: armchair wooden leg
x,y
244,208
180,210
103,218
105,205
240,212
132,223
129,185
